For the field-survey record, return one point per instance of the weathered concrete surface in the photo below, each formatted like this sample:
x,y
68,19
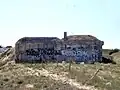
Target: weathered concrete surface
x,y
81,48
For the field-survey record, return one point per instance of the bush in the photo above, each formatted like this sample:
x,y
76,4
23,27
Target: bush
x,y
114,51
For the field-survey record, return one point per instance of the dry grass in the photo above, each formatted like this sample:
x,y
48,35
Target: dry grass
x,y
116,57
106,79
19,77
14,76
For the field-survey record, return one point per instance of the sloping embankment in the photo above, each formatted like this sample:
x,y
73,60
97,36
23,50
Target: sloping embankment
x,y
6,56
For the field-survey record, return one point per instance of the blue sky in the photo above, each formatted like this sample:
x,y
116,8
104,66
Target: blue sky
x,y
20,18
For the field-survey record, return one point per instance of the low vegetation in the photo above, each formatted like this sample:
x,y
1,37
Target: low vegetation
x,y
106,79
114,51
58,76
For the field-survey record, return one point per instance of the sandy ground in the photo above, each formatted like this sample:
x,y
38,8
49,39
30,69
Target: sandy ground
x,y
62,78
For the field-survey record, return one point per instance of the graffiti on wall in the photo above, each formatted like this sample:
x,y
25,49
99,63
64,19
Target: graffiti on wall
x,y
39,52
52,54
42,54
